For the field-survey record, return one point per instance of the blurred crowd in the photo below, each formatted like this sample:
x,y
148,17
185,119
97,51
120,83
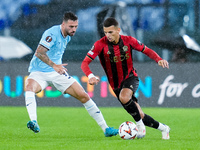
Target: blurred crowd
x,y
27,19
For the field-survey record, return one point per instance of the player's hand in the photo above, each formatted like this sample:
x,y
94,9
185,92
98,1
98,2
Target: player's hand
x,y
163,63
93,80
60,68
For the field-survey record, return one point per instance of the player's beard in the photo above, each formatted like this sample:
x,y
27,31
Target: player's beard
x,y
70,33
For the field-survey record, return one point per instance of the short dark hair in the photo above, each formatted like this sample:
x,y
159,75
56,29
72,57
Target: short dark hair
x,y
110,22
69,16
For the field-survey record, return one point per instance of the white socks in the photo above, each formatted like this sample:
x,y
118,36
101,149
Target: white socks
x,y
90,106
140,122
31,105
161,127
95,113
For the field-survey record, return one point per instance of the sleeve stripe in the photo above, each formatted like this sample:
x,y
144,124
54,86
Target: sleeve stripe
x,y
44,46
143,49
90,57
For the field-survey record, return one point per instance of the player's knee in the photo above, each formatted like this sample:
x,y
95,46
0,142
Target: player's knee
x,y
32,88
84,97
124,99
29,87
142,115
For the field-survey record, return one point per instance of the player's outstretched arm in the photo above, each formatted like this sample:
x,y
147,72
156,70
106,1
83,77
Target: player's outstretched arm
x,y
153,55
163,63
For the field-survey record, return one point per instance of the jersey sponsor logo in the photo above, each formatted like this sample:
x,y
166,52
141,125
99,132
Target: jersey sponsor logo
x,y
120,58
49,39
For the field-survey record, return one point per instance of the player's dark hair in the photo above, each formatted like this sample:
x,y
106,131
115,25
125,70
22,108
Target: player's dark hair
x,y
69,16
110,22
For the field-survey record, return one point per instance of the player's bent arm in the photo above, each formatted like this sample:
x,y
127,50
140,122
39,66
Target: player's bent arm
x,y
85,66
41,54
86,69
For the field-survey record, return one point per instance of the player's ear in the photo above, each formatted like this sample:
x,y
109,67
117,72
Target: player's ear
x,y
64,22
119,29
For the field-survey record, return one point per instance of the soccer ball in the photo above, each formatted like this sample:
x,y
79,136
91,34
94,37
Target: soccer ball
x,y
128,130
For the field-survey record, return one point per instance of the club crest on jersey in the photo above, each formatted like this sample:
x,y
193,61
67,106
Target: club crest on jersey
x,y
125,48
49,39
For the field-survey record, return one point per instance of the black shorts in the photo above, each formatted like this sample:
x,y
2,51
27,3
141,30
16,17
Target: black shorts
x,y
132,83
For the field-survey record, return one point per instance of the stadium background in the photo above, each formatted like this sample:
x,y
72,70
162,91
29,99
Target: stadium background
x,y
150,20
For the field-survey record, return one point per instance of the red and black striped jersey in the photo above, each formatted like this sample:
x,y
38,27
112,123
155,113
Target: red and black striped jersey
x,y
116,59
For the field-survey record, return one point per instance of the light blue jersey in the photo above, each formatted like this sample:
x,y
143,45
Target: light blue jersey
x,y
56,44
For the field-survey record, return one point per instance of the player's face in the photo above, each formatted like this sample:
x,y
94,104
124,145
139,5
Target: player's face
x,y
112,33
70,27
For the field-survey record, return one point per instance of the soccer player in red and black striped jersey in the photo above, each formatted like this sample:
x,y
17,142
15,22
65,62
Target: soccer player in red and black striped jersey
x,y
115,54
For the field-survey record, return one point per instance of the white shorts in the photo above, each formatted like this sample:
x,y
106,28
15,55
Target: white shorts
x,y
44,79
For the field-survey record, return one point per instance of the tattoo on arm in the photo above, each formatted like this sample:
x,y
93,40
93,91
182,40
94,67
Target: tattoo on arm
x,y
41,54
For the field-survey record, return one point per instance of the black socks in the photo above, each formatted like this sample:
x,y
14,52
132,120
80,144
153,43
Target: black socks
x,y
150,122
132,109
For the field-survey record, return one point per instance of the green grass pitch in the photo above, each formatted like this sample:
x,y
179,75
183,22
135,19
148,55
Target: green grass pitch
x,y
72,128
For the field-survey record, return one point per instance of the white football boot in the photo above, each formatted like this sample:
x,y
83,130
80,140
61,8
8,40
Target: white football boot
x,y
165,133
141,131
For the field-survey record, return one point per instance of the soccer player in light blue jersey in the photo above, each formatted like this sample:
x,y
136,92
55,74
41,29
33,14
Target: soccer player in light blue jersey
x,y
46,69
